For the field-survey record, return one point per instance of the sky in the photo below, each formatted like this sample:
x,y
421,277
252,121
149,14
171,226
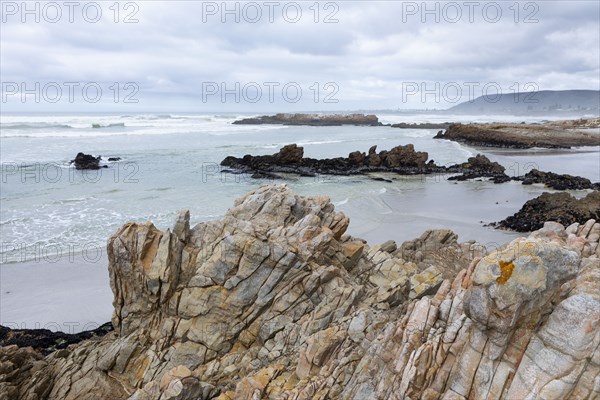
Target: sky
x,y
289,56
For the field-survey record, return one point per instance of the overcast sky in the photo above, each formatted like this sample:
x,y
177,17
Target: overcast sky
x,y
181,56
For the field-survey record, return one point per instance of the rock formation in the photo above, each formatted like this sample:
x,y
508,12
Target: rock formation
x,y
86,161
560,207
290,159
275,301
402,160
519,136
557,181
312,120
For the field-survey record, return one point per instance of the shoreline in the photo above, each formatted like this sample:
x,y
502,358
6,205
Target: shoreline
x,y
60,296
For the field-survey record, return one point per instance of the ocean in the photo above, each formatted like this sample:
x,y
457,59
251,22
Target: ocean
x,y
170,162
55,220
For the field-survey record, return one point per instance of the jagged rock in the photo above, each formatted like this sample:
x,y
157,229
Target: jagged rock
x,y
481,166
289,159
403,160
275,301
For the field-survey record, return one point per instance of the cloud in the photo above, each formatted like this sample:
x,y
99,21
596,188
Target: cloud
x,y
368,50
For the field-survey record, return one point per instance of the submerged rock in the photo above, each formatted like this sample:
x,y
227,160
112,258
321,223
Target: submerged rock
x,y
275,301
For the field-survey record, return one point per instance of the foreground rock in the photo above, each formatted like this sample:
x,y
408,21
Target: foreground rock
x,y
560,207
312,120
275,301
520,136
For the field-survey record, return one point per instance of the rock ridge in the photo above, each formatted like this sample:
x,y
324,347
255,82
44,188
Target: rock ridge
x,y
276,301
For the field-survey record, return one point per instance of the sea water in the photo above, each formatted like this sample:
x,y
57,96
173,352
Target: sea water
x,y
170,162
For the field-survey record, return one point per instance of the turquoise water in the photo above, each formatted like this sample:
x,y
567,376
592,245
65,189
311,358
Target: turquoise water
x,y
170,162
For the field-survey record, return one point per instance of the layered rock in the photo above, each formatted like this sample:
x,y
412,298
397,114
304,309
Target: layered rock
x,y
276,301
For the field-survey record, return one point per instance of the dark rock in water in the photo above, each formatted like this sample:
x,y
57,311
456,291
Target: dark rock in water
x,y
290,154
560,207
114,158
556,181
45,340
86,161
404,156
400,159
403,160
356,158
312,120
481,166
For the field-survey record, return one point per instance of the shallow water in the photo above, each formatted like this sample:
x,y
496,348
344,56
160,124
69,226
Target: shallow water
x,y
171,162
50,212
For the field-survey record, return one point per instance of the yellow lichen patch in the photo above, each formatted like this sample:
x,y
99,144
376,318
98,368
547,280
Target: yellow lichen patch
x,y
506,269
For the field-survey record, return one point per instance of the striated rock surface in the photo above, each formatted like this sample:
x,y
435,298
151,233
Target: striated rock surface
x,y
275,301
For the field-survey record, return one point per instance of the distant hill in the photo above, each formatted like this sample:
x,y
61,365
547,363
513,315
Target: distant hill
x,y
542,102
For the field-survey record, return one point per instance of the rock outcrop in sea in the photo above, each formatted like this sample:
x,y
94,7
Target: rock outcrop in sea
x,y
276,301
87,161
312,120
402,160
520,136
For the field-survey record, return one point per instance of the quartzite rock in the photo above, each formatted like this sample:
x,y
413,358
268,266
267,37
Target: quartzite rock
x,y
275,301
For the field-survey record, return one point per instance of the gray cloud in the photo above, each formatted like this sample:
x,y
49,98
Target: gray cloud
x,y
371,54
